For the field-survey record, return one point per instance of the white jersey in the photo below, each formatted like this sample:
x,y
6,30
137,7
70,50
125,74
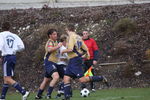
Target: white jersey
x,y
60,56
10,43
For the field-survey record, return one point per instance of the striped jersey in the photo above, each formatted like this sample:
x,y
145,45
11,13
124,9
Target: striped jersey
x,y
52,56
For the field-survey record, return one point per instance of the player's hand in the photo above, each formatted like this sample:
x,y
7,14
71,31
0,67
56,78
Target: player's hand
x,y
59,44
92,67
94,62
63,51
83,56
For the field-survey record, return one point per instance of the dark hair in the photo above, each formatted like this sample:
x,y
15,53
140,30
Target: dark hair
x,y
80,33
5,26
71,27
50,31
63,38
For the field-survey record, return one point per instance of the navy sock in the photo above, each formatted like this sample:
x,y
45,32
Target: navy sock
x,y
50,89
40,91
92,85
61,86
71,93
96,78
67,90
4,91
19,88
83,85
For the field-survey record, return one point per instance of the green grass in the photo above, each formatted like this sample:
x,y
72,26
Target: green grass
x,y
110,94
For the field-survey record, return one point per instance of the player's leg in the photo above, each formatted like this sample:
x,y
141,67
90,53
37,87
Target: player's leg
x,y
92,85
4,90
60,89
17,86
5,73
67,87
85,68
46,79
61,70
84,79
55,78
89,63
42,87
8,69
94,79
9,81
73,70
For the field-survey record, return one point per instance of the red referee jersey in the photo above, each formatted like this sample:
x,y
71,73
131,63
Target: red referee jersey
x,y
92,46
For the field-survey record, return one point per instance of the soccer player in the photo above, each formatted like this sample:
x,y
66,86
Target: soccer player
x,y
94,55
61,64
50,66
10,43
75,48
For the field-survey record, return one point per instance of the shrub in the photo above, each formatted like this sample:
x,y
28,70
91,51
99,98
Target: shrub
x,y
39,55
125,26
121,47
129,69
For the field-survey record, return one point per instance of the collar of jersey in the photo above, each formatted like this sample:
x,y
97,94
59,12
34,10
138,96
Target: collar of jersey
x,y
52,40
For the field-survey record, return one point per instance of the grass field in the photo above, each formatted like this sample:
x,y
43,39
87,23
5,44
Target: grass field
x,y
110,94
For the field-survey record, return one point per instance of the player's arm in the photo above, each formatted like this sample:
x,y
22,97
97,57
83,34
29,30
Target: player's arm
x,y
86,52
95,52
20,44
64,59
1,46
66,51
52,48
1,42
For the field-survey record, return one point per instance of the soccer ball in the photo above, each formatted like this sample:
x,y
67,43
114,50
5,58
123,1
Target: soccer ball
x,y
85,92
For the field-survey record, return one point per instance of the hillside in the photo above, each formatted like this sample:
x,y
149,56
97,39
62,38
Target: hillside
x,y
122,34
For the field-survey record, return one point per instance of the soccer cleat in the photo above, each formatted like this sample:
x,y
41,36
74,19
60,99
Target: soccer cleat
x,y
24,97
2,98
60,92
66,99
48,97
58,96
106,81
38,97
93,90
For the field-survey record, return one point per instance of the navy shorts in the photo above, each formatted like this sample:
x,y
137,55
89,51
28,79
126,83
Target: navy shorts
x,y
50,68
61,70
9,63
74,68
